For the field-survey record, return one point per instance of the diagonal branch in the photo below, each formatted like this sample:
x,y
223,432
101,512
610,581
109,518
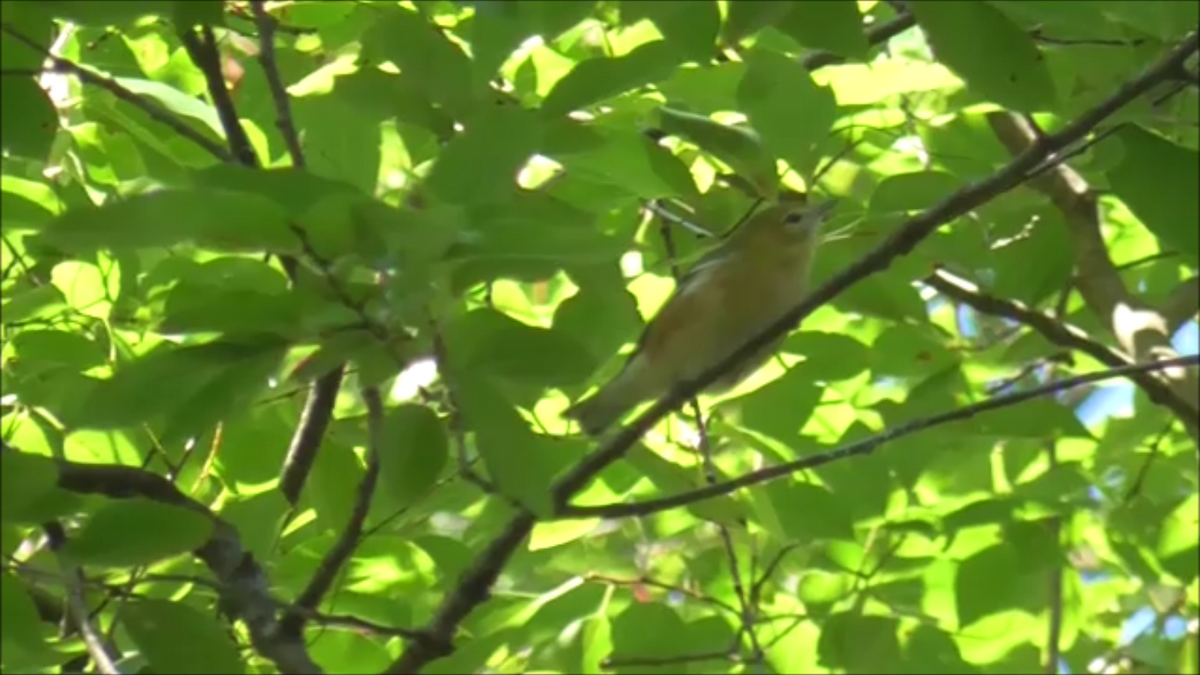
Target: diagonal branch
x,y
1061,334
476,581
203,51
242,583
1141,331
266,58
318,407
904,240
292,623
152,109
868,445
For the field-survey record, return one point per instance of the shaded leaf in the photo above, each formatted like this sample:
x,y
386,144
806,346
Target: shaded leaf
x,y
1151,178
998,59
176,638
221,219
137,532
598,79
791,113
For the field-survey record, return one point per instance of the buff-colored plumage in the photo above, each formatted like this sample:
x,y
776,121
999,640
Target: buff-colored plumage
x,y
731,294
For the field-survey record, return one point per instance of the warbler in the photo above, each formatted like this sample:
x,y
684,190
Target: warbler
x,y
757,273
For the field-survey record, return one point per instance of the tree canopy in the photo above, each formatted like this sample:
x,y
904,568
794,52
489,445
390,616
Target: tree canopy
x,y
295,294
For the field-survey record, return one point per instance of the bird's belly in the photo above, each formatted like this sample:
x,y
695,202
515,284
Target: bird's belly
x,y
745,310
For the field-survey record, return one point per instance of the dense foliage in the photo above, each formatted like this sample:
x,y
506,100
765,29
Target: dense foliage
x,y
294,295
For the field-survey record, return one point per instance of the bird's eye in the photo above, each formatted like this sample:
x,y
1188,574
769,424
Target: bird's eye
x,y
793,217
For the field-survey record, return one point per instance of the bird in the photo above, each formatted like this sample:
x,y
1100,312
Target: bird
x,y
747,282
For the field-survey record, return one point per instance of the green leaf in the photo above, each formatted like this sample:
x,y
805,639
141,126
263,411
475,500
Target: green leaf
x,y
1167,21
998,60
220,219
495,35
809,512
931,650
535,227
119,12
30,122
985,583
746,17
828,357
632,162
294,190
342,139
137,393
550,19
916,191
832,25
381,96
780,408
480,166
689,26
176,102
671,478
26,479
423,53
791,113
57,349
740,148
493,342
855,643
1151,180
1036,265
416,450
906,350
138,531
508,448
234,295
1178,541
648,631
20,625
598,79
176,638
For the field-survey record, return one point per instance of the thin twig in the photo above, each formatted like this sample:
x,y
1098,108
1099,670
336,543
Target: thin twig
x,y
1055,585
1059,333
875,35
77,610
866,446
293,621
634,661
244,590
747,610
206,56
266,58
152,109
662,585
1135,488
318,408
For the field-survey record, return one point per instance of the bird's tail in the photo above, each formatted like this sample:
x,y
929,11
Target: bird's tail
x,y
598,411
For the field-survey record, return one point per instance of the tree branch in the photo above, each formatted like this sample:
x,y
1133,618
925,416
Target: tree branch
x,y
875,35
476,581
152,109
1064,335
292,623
266,58
866,446
242,584
904,240
1140,330
1183,304
203,52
